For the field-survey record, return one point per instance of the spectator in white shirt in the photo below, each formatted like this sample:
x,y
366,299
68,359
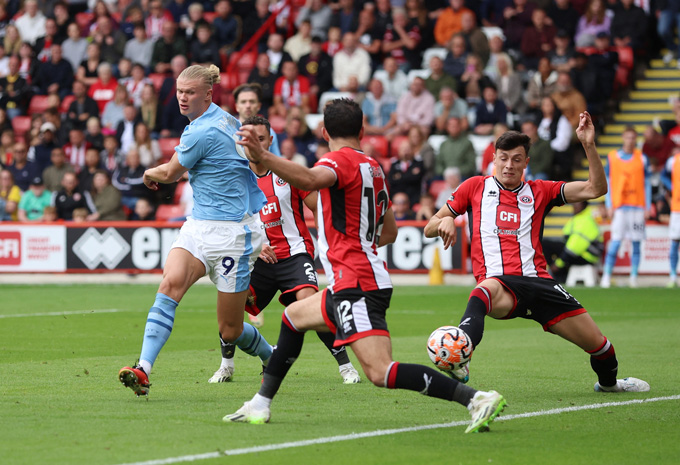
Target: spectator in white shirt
x,y
351,61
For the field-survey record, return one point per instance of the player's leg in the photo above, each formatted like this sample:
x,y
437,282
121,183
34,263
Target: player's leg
x,y
491,298
673,256
609,260
634,263
181,270
232,328
582,331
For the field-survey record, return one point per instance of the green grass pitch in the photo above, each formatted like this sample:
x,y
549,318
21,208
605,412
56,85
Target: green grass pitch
x,y
60,401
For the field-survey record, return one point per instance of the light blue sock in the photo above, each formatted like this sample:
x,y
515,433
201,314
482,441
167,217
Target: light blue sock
x,y
158,327
610,259
674,259
252,343
635,259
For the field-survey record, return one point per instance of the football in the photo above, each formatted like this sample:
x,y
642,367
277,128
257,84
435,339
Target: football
x,y
449,348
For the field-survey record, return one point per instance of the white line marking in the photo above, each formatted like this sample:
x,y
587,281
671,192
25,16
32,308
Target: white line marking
x,y
386,432
75,312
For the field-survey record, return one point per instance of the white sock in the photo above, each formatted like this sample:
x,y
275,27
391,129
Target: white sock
x,y
260,402
227,363
146,366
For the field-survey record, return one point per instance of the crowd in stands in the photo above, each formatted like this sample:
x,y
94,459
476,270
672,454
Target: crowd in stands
x,y
88,89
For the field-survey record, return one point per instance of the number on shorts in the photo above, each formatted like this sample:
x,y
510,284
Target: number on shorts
x,y
562,290
228,264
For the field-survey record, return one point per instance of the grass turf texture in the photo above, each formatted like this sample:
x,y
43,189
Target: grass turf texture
x,y
61,402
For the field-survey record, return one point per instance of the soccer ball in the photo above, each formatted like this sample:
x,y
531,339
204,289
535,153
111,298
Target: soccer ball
x,y
449,348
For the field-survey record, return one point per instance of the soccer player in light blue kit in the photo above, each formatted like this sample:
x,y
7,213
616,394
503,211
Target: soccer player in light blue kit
x,y
221,238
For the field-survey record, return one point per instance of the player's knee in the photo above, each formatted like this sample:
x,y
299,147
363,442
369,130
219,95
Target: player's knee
x,y
229,332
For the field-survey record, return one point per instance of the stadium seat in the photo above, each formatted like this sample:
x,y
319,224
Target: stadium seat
x,y
66,103
38,104
379,143
166,212
157,79
312,120
480,143
436,141
493,31
328,96
394,145
436,187
433,52
386,164
178,192
21,125
278,123
421,73
586,274
168,145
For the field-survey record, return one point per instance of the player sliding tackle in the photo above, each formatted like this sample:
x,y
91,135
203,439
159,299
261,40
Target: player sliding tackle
x,y
355,217
507,258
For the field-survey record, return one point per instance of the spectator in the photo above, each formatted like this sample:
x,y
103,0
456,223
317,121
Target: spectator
x,y
297,131
111,156
254,21
379,109
50,214
124,69
406,173
204,49
23,171
43,46
12,40
394,80
438,79
450,22
516,18
157,18
563,16
476,40
450,105
263,76
569,100
34,201
168,46
456,58
489,111
540,153
561,55
70,197
603,62
172,121
149,110
334,42
75,148
401,207
75,47
290,90
6,146
629,26
31,24
125,132
129,180
416,108
542,84
106,198
594,20
82,108
367,35
668,14
452,179
104,89
555,128
144,211
423,151
188,23
53,174
227,27
10,196
56,75
62,19
345,16
402,41
496,50
140,48
41,153
301,43
473,80
456,150
113,110
135,83
29,65
16,92
317,67
92,164
383,16
277,56
319,16
93,133
657,147
509,85
289,152
87,71
425,208
149,150
538,39
351,61
111,41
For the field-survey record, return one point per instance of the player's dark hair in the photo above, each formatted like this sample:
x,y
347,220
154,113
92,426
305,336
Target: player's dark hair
x,y
257,121
513,139
343,118
248,87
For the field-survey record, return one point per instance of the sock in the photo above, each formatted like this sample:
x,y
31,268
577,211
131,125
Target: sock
x,y
472,322
427,381
340,353
252,343
604,364
610,259
288,349
158,328
228,350
674,259
635,260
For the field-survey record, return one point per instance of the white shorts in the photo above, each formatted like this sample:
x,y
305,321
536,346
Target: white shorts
x,y
227,249
628,224
674,226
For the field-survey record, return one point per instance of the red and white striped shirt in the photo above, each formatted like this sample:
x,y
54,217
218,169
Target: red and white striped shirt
x,y
506,226
350,222
283,218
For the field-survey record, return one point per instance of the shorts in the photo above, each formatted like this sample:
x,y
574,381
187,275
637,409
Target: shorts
x,y
227,249
628,223
674,226
353,314
540,299
288,276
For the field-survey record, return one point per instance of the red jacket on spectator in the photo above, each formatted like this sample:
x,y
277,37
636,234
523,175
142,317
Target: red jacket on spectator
x,y
102,93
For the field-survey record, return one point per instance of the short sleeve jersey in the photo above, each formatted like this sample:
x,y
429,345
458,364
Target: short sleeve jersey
x,y
506,226
350,222
224,187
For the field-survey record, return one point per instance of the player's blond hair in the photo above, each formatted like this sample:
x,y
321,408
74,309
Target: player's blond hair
x,y
208,76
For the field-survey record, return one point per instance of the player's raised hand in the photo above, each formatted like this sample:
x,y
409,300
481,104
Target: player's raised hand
x,y
586,129
250,142
447,231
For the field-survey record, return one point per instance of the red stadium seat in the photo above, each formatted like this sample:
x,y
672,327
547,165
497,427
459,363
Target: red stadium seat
x,y
21,125
38,104
386,164
209,16
394,145
168,145
278,123
436,187
157,79
166,212
178,192
379,143
66,103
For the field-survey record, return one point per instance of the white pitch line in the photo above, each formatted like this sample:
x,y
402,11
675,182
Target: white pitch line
x,y
387,432
75,312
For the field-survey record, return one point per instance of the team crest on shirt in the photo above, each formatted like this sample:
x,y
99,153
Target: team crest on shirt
x,y
526,199
280,182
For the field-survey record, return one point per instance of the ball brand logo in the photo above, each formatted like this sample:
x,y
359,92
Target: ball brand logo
x,y
525,199
10,248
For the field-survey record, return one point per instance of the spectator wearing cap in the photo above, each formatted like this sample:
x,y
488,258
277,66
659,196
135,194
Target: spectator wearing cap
x,y
139,49
41,153
227,27
563,16
71,197
318,15
53,174
34,201
31,24
317,67
595,19
56,75
16,92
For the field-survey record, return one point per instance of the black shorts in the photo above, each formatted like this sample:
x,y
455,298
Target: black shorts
x,y
288,276
540,299
353,314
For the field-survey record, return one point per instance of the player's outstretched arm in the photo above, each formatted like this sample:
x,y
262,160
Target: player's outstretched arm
x,y
596,185
304,178
164,174
442,225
